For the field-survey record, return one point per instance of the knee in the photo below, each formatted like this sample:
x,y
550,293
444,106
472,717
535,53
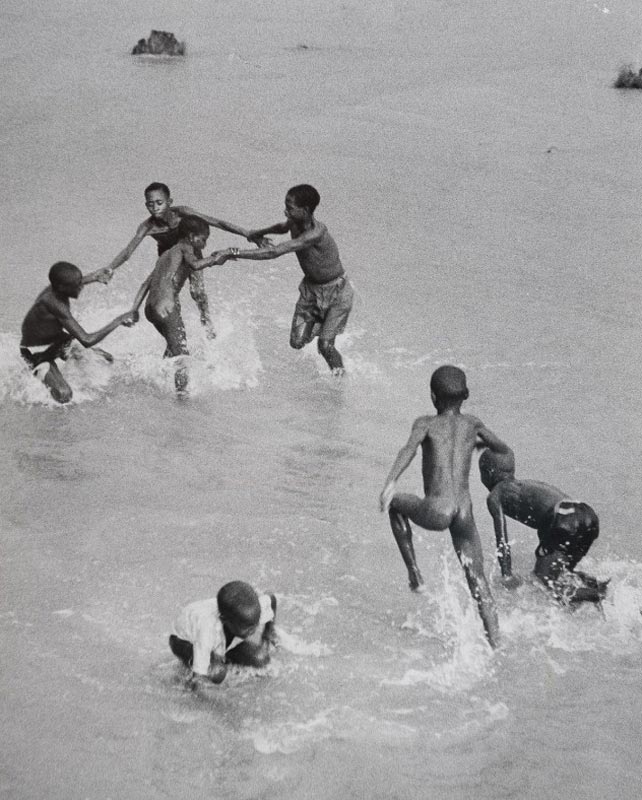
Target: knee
x,y
62,394
325,346
296,342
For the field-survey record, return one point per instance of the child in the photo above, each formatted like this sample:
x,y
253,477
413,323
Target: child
x,y
566,529
447,440
163,286
49,328
162,226
325,293
236,626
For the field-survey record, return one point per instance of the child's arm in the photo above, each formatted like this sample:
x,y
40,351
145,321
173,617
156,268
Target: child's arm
x,y
490,440
264,253
142,293
217,223
104,275
494,503
260,233
73,327
403,460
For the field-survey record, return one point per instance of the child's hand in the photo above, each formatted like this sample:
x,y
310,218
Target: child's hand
x,y
386,496
104,275
129,319
219,257
512,581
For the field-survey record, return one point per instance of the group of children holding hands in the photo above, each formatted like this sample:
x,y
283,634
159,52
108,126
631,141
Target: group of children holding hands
x,y
238,625
322,310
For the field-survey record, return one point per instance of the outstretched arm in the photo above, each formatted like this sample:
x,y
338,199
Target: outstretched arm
x,y
259,234
141,293
105,274
403,460
217,223
72,326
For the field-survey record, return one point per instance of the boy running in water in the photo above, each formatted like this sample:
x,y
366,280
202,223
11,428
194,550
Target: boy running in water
x,y
236,626
162,288
447,441
325,293
566,529
49,328
162,226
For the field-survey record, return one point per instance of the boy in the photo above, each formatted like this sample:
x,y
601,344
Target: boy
x,y
236,626
162,226
164,284
566,529
447,440
325,293
49,328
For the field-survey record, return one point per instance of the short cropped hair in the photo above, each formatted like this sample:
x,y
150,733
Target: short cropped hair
x,y
238,601
306,196
63,272
449,383
158,187
496,467
190,224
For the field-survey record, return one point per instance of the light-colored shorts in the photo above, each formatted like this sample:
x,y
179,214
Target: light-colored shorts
x,y
327,306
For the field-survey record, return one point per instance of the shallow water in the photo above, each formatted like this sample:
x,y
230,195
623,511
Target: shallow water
x,y
481,178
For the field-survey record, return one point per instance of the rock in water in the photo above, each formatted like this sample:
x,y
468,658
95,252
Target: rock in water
x,y
160,43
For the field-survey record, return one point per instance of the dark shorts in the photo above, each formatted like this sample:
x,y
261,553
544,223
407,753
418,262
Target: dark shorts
x,y
574,540
34,358
171,328
327,306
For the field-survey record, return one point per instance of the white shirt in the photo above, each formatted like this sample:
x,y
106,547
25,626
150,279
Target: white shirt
x,y
200,624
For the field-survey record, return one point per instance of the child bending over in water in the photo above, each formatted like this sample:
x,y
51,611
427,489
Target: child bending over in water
x,y
447,441
235,627
49,328
566,529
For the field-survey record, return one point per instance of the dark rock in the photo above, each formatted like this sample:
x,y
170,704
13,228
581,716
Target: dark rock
x,y
628,79
160,43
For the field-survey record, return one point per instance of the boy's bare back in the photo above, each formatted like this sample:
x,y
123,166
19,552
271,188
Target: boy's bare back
x,y
448,442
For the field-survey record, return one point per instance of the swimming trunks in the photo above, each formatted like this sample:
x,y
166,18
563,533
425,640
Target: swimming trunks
x,y
35,355
171,328
326,305
570,530
165,239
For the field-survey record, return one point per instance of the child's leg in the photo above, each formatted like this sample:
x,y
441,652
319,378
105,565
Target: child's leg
x,y
57,385
332,356
305,320
469,551
182,649
173,329
334,323
402,532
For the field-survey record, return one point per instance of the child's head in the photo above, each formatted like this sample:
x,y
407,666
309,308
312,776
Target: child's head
x,y
304,197
448,386
496,467
66,278
239,608
157,199
195,230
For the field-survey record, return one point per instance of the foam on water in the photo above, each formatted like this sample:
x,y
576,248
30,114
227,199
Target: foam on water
x,y
230,361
